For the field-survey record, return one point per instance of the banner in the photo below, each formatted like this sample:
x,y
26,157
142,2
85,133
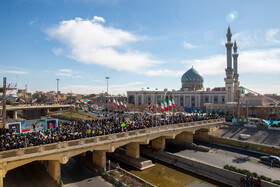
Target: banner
x,y
52,123
14,127
38,125
33,126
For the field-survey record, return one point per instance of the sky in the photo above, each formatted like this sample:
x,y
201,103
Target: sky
x,y
138,44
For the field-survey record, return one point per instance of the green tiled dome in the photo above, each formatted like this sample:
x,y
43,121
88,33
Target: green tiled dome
x,y
192,80
192,75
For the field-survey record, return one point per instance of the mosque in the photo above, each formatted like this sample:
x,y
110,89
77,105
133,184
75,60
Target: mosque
x,y
192,95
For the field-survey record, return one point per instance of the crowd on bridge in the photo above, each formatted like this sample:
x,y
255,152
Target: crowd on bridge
x,y
66,131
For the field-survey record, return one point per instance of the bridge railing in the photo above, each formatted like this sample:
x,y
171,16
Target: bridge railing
x,y
96,139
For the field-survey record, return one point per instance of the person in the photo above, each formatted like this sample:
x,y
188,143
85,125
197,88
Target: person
x,y
258,182
252,180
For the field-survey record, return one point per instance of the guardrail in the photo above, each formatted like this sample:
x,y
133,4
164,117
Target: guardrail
x,y
62,146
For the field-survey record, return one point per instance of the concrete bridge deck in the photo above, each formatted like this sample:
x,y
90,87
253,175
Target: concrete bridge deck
x,y
24,107
59,153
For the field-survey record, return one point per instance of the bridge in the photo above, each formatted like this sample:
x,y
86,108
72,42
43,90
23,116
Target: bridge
x,y
12,111
59,153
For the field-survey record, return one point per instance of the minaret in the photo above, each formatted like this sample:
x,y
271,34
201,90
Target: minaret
x,y
229,44
229,80
235,68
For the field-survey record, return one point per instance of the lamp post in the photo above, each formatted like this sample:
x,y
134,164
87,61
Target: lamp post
x,y
57,90
107,78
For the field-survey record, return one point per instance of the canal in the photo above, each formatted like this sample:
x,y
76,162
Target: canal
x,y
165,175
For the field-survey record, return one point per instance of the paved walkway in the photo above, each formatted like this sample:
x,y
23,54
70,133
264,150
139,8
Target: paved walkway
x,y
74,174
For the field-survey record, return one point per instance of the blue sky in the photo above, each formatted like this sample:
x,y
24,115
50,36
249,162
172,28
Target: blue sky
x,y
137,43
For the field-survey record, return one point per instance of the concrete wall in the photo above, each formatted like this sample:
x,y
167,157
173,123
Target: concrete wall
x,y
246,145
199,167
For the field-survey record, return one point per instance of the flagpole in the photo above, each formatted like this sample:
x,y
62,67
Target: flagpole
x,y
172,109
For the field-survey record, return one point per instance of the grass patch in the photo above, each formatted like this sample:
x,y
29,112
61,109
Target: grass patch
x,y
75,115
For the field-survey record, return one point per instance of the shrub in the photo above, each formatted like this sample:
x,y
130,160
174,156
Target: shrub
x,y
238,170
255,174
276,182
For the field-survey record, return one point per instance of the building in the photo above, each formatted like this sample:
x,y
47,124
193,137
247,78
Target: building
x,y
192,95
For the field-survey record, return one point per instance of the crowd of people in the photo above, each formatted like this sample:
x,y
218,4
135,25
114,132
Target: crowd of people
x,y
66,131
250,181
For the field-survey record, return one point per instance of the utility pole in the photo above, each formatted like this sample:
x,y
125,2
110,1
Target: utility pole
x,y
238,106
107,78
4,112
57,90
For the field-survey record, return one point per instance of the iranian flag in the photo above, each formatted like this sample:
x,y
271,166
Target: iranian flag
x,y
165,104
170,103
162,107
118,104
21,100
173,102
114,102
34,101
242,91
156,106
43,135
125,105
109,101
121,104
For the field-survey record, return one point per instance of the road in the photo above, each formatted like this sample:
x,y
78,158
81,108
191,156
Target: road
x,y
31,175
220,156
73,174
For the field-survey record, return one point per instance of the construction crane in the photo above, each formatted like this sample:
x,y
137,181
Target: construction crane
x,y
251,91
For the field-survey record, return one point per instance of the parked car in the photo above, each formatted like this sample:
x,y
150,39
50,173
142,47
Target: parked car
x,y
273,160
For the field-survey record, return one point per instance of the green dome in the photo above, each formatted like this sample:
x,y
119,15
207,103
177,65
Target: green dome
x,y
192,80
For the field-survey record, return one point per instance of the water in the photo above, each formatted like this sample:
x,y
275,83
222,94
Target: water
x,y
165,175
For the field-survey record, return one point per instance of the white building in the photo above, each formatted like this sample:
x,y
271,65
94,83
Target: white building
x,y
192,95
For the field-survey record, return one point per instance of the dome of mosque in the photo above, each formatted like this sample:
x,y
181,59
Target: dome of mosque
x,y
192,80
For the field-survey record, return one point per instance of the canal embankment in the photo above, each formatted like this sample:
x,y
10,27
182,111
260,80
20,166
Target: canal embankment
x,y
205,169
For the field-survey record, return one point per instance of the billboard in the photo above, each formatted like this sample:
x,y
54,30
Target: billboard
x,y
14,127
52,123
32,126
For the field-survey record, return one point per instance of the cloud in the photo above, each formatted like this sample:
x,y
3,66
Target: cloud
x,y
68,73
90,42
113,89
58,51
66,70
271,34
98,19
188,45
64,74
164,72
33,21
251,61
257,38
5,70
96,80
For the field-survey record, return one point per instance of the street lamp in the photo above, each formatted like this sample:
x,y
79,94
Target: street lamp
x,y
57,90
107,93
107,84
